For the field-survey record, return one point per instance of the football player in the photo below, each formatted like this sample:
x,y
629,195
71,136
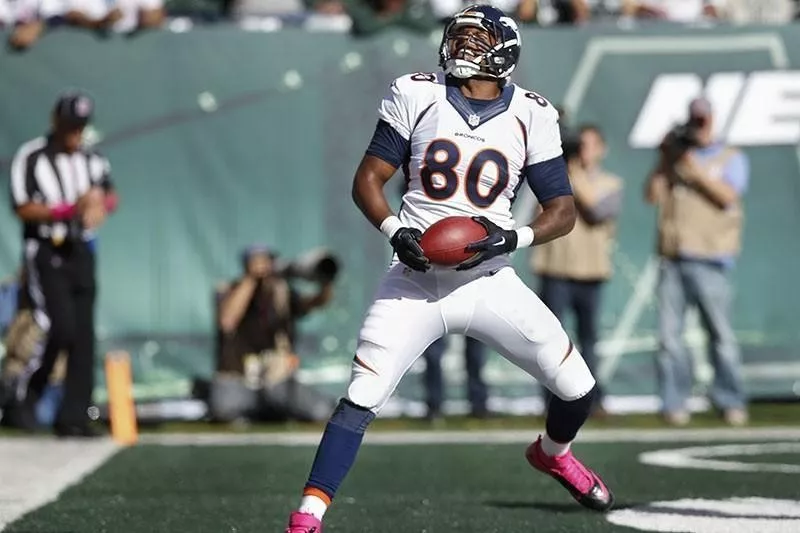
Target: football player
x,y
466,139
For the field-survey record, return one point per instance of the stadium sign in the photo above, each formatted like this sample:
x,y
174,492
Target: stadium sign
x,y
751,109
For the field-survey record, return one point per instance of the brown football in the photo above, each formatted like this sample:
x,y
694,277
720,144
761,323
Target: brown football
x,y
445,242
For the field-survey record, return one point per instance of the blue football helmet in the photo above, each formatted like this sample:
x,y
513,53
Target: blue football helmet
x,y
480,41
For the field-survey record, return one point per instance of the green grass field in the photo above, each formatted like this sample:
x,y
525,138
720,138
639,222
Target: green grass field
x,y
245,482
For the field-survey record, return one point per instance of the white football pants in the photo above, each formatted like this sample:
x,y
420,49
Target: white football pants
x,y
413,309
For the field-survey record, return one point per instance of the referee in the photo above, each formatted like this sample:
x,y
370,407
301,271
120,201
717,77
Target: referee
x,y
62,192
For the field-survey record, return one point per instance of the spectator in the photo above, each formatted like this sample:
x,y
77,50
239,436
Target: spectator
x,y
477,393
759,11
243,9
572,11
120,16
257,316
574,268
9,298
326,7
30,19
697,186
525,10
22,338
9,302
6,17
372,16
685,11
327,15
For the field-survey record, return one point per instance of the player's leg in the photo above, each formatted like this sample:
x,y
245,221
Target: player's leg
x,y
404,320
712,290
434,381
511,318
673,363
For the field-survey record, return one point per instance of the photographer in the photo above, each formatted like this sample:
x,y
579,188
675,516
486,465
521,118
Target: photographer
x,y
697,186
257,315
574,268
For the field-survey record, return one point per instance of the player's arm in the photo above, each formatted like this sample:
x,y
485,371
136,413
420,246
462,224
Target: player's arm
x,y
386,152
546,174
372,175
389,148
549,181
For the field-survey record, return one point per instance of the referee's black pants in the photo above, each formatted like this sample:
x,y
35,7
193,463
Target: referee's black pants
x,y
62,286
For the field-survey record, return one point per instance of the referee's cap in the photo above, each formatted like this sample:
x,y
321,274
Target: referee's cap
x,y
74,108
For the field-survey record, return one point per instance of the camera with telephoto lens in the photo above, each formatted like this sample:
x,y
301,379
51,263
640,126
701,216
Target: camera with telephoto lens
x,y
683,138
318,265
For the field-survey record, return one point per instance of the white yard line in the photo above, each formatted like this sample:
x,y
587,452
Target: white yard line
x,y
311,438
704,457
35,471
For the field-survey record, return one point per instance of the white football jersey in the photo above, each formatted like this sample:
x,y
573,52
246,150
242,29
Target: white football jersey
x,y
464,163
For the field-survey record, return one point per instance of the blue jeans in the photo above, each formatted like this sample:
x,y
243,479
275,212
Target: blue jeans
x,y
477,391
683,283
562,295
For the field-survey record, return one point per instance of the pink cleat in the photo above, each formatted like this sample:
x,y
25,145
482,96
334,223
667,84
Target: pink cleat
x,y
303,523
584,485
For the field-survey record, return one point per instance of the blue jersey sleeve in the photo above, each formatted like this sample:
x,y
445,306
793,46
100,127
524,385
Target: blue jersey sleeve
x,y
389,145
548,179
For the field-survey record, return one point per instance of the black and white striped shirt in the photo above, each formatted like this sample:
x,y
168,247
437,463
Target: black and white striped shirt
x,y
41,173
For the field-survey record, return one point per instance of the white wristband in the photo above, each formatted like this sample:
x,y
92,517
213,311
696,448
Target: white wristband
x,y
390,225
524,237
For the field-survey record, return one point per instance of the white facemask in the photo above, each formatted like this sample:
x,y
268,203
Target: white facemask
x,y
461,68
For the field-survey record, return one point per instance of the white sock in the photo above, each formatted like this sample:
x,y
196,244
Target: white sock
x,y
553,448
314,506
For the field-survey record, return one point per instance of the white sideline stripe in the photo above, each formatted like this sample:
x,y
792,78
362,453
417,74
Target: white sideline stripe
x,y
311,438
35,471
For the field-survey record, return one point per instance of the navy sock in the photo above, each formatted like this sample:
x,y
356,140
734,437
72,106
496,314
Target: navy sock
x,y
564,419
339,446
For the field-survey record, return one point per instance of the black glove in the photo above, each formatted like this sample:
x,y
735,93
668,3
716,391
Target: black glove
x,y
405,242
498,241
